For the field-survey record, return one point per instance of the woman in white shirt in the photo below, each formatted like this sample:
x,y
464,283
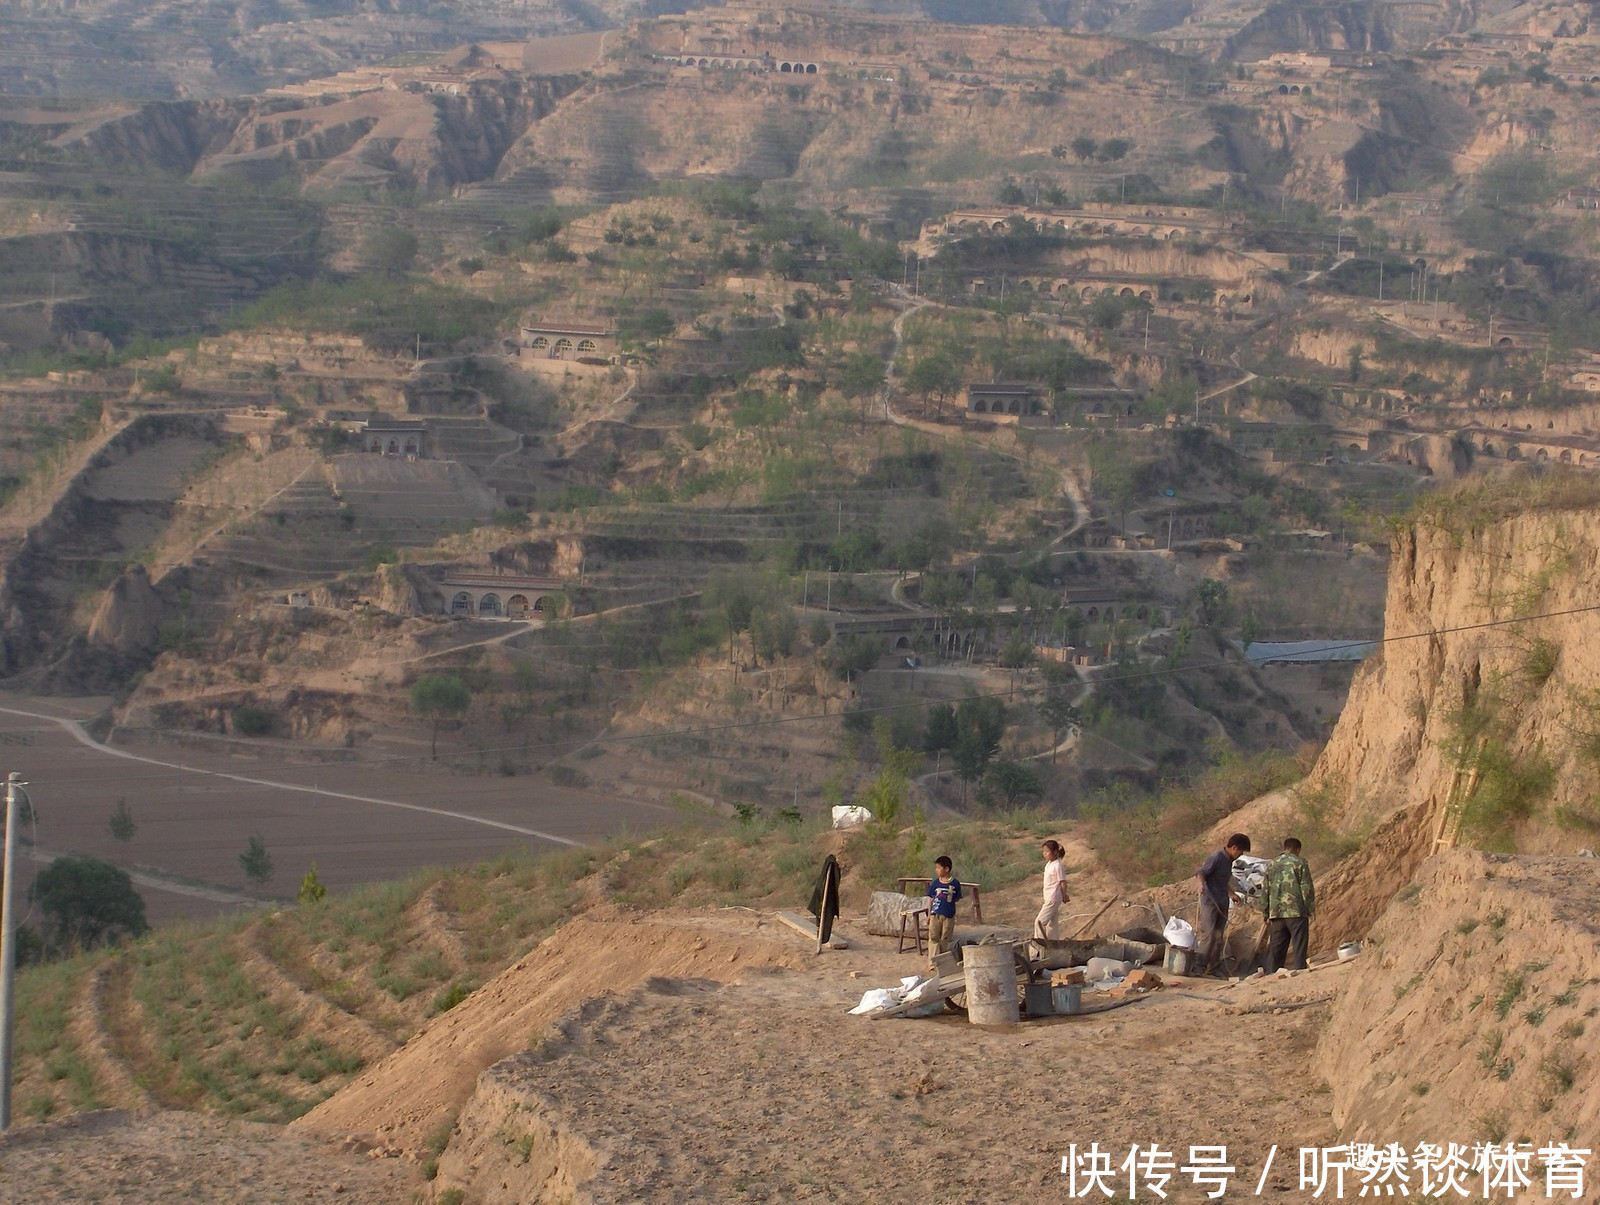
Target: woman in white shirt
x,y
1055,890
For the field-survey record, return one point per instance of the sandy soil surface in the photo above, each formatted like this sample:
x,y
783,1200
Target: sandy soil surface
x,y
741,1068
769,1089
114,1156
195,811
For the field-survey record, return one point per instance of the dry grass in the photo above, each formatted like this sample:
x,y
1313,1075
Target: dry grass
x,y
200,1023
1149,840
1479,501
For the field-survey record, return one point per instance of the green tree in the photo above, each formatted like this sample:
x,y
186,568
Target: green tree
x,y
734,600
971,757
980,723
1113,480
390,250
985,717
934,376
940,732
860,378
438,696
852,653
1249,630
256,861
1108,310
312,890
121,825
85,902
1113,149
649,326
1084,147
884,796
1062,715
1211,601
1015,783
773,631
1017,650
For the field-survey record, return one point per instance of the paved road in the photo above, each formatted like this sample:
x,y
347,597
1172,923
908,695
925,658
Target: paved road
x,y
360,822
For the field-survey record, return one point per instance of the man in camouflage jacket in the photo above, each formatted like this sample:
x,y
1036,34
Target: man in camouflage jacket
x,y
1290,900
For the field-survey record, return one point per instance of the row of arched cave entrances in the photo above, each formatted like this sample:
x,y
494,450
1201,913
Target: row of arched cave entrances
x,y
562,348
1076,227
1541,455
490,606
1066,288
783,67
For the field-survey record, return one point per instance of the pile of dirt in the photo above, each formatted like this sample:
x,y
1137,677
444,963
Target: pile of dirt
x,y
1465,1017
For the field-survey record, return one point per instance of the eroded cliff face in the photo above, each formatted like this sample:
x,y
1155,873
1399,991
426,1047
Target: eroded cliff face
x,y
1463,1019
1482,711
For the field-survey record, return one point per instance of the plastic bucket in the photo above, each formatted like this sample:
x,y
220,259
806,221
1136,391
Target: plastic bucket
x,y
991,975
1178,960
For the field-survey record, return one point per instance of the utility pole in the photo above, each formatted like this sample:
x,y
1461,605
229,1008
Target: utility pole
x,y
8,946
1380,279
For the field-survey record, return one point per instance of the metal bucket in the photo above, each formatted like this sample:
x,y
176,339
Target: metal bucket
x,y
1038,999
1067,998
1179,961
991,974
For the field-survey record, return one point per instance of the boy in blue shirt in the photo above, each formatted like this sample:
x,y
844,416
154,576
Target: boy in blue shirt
x,y
943,892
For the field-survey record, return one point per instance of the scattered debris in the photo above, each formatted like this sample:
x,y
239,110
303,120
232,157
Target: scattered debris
x,y
1141,980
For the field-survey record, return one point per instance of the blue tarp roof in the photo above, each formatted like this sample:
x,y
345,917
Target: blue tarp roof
x,y
1295,651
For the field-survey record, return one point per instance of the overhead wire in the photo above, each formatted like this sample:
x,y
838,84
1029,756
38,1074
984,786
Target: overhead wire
x,y
710,730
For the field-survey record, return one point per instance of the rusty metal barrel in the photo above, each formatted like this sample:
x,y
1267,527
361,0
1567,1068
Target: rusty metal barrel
x,y
991,974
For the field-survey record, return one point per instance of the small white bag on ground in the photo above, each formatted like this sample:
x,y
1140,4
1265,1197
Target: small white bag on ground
x,y
846,816
1179,933
1107,968
873,1000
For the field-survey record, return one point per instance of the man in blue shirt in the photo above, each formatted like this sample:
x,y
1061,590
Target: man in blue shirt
x,y
1216,893
943,892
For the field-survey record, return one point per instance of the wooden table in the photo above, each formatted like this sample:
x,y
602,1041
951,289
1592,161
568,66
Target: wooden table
x,y
974,888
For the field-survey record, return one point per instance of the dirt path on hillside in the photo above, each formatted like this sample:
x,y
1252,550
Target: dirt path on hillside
x,y
82,737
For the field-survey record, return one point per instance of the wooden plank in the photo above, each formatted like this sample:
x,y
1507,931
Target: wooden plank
x,y
806,925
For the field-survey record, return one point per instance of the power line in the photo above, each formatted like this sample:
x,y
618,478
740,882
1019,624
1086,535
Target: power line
x,y
709,730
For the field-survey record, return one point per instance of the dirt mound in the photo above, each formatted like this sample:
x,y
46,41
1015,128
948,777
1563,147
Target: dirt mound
x,y
1464,1018
415,1091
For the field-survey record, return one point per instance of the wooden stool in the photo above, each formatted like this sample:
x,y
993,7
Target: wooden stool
x,y
918,916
